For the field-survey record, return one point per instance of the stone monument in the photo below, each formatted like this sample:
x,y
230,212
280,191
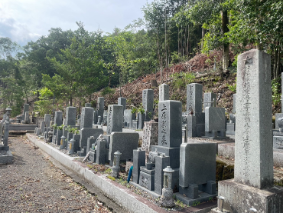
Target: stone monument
x,y
252,186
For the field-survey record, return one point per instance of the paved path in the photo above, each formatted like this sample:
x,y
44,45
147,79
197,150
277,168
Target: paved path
x,y
33,184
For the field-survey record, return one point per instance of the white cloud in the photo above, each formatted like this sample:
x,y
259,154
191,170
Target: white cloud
x,y
25,20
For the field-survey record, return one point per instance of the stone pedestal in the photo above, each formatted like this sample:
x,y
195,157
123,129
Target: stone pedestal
x,y
146,179
240,198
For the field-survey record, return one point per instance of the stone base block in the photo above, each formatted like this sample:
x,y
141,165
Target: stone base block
x,y
147,180
92,156
173,152
278,142
215,134
6,157
230,129
239,198
202,197
200,128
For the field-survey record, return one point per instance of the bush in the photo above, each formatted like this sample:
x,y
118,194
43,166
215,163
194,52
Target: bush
x,y
275,86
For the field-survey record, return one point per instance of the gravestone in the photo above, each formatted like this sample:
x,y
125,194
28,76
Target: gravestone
x,y
194,98
42,127
122,101
47,120
138,161
26,118
124,142
147,103
129,117
95,117
101,150
100,107
85,133
150,135
141,119
87,104
169,135
195,126
86,119
71,114
209,100
26,108
215,120
163,92
115,119
234,103
253,176
58,118
197,172
91,140
161,162
231,126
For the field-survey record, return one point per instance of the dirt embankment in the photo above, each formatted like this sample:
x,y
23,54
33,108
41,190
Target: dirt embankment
x,y
206,72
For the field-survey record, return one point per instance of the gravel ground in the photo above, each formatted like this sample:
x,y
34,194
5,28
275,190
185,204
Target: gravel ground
x,y
33,184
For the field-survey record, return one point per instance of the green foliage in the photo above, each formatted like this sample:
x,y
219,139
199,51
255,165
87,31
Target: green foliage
x,y
275,87
55,126
107,91
134,110
141,110
61,127
180,80
45,103
233,87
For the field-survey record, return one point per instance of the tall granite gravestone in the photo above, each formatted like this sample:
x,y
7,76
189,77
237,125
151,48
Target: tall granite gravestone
x,y
215,121
279,115
58,118
209,100
147,103
26,118
100,107
138,161
163,92
115,119
253,177
47,120
26,108
169,138
122,101
231,126
129,117
86,130
95,117
195,118
150,135
71,114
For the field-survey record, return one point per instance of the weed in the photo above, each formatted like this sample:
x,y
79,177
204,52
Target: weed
x,y
111,178
108,171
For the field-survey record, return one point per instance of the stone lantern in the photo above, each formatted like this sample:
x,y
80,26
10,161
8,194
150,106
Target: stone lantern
x,y
62,142
71,146
99,120
166,199
116,164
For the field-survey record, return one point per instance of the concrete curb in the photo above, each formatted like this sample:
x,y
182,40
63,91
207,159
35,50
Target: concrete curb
x,y
120,194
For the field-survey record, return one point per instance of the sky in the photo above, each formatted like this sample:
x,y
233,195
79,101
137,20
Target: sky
x,y
26,20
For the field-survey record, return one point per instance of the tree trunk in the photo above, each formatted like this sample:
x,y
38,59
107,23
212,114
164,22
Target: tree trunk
x,y
71,101
225,57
